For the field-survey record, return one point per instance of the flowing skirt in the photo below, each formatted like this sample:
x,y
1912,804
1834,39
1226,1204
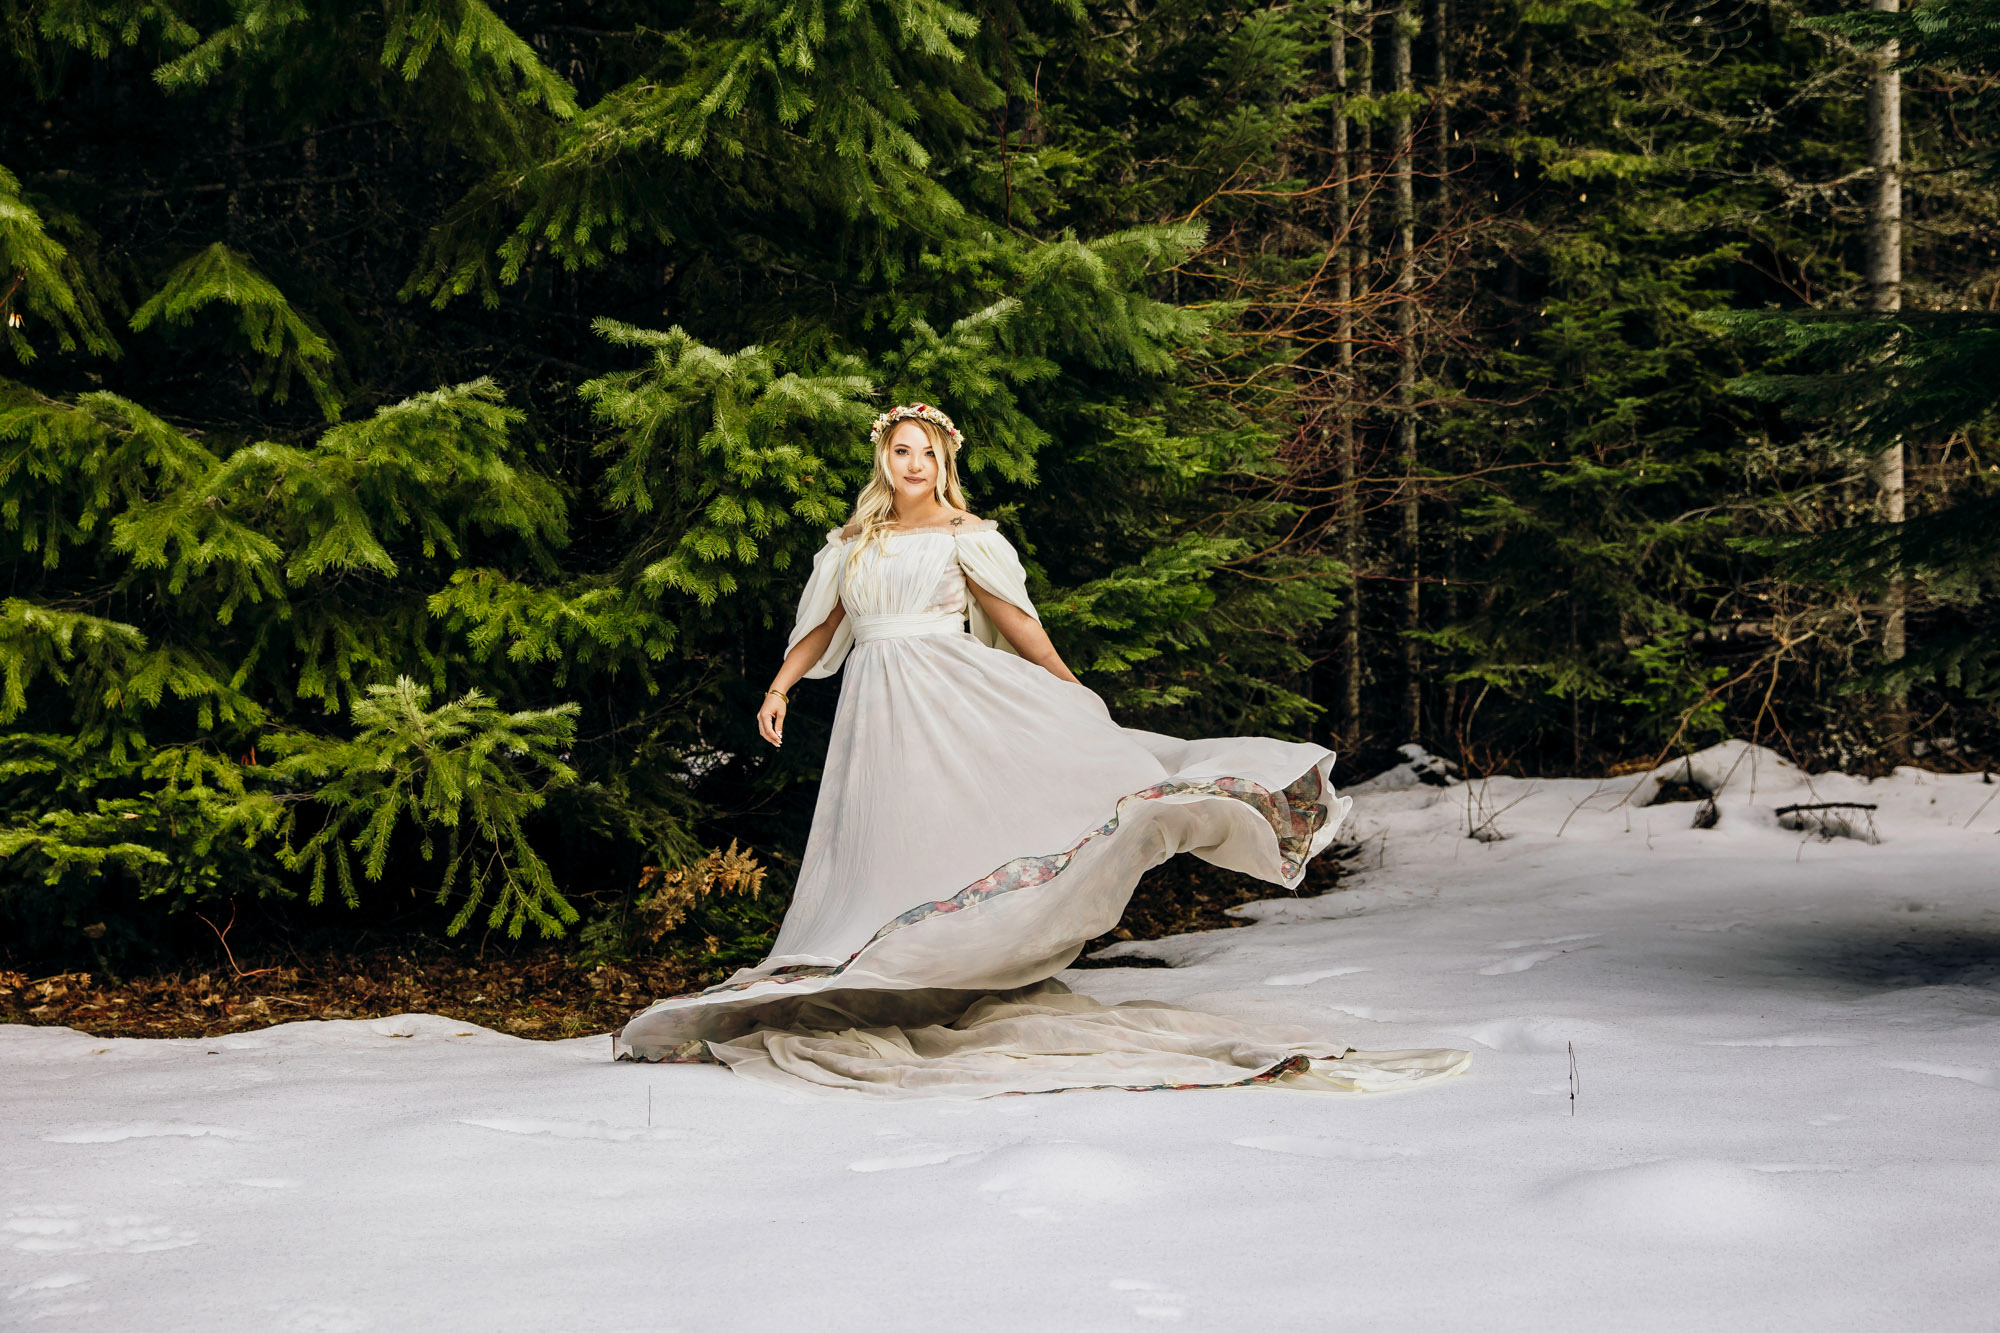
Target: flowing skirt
x,y
978,822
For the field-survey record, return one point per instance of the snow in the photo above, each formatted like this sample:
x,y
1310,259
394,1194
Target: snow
x,y
1787,1054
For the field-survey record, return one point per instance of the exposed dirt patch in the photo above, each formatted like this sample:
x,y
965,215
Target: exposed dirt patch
x,y
542,993
531,995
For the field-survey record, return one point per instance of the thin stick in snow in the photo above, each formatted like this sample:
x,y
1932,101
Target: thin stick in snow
x,y
1982,805
1580,804
1487,830
1573,1081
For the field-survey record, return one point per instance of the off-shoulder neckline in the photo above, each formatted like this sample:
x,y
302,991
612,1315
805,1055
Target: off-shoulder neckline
x,y
950,530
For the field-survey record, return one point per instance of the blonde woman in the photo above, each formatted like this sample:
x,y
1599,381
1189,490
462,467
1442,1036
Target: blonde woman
x,y
980,817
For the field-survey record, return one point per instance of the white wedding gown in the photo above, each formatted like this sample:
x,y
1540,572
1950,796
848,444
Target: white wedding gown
x,y
978,821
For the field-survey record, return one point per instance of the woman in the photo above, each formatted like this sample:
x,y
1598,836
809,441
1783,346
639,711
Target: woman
x,y
981,817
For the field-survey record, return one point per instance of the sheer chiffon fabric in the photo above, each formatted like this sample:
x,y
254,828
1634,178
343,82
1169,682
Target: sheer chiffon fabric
x,y
978,821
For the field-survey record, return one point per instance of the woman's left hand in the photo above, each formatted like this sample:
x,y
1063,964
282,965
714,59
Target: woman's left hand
x,y
771,719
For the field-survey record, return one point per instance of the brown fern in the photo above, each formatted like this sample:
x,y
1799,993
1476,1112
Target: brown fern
x,y
676,892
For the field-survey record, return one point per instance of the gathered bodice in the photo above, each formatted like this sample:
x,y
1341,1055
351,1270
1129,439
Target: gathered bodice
x,y
905,573
910,584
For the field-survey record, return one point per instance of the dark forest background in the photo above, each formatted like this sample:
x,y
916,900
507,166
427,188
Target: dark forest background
x,y
418,415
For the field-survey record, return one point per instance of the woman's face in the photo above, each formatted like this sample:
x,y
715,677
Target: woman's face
x,y
913,462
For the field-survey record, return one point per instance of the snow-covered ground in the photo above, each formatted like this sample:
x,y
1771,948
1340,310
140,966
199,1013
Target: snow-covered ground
x,y
1788,1060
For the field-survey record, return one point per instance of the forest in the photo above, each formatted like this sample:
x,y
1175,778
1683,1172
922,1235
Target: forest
x,y
417,416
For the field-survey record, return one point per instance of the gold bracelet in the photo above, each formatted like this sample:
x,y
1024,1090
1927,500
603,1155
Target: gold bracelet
x,y
781,694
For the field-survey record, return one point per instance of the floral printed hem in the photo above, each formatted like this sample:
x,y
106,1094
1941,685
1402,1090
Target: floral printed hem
x,y
1297,813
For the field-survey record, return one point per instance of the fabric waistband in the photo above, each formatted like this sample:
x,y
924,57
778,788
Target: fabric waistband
x,y
904,625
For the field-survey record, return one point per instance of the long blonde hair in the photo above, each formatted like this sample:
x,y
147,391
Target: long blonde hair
x,y
875,507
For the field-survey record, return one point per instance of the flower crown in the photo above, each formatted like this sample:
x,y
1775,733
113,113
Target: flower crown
x,y
914,411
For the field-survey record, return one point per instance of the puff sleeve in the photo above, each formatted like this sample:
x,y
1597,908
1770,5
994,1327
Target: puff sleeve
x,y
990,560
816,603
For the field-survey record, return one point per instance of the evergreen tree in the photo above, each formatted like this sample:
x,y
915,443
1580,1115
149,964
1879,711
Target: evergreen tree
x,y
288,618
420,415
1647,169
1908,377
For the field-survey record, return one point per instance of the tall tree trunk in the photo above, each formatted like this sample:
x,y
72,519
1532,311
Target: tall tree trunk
x,y
1349,463
1440,109
1364,149
1361,253
232,202
1447,713
1403,146
308,200
1885,293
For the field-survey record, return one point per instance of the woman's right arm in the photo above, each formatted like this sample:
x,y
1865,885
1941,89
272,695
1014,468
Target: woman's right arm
x,y
771,716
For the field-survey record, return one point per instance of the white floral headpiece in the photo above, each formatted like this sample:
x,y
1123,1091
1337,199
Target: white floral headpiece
x,y
915,411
